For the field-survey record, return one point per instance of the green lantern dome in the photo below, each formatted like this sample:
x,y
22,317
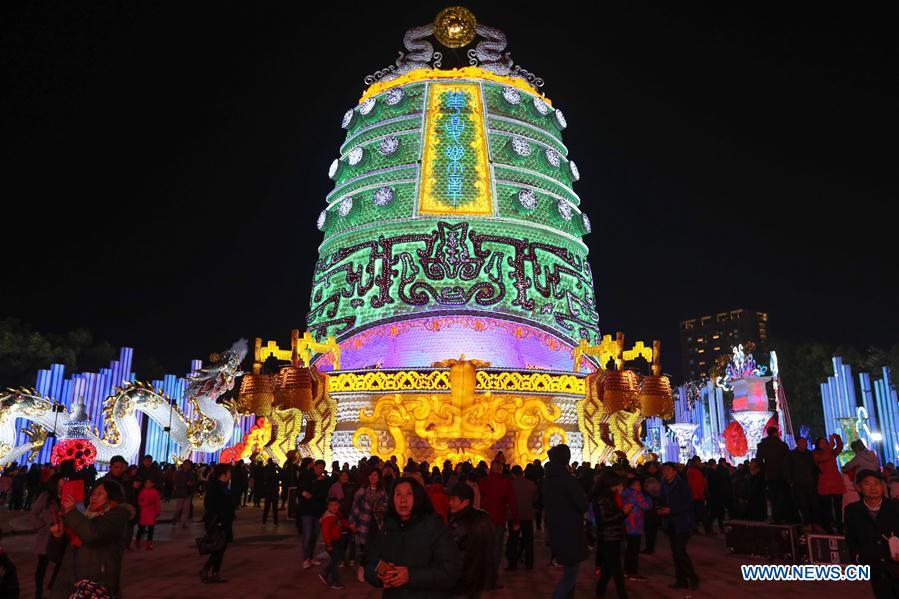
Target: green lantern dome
x,y
453,227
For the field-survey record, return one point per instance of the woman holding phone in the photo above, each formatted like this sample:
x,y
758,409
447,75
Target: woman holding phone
x,y
96,539
414,555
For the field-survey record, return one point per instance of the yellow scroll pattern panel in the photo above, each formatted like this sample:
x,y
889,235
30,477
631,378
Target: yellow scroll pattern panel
x,y
437,419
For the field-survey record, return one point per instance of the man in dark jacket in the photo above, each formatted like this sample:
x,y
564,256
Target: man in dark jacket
x,y
719,491
772,454
564,504
150,470
290,476
271,478
33,485
118,472
801,474
183,485
240,481
17,494
869,523
537,473
677,502
117,469
257,471
473,532
313,500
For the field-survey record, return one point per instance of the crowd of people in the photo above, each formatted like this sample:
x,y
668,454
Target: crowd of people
x,y
455,530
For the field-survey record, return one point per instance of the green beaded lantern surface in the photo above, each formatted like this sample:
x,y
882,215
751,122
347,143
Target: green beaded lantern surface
x,y
453,197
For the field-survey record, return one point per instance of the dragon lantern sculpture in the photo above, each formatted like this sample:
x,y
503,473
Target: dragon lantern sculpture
x,y
207,430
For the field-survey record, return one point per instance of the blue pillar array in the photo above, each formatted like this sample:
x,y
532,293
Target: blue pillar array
x,y
839,399
888,410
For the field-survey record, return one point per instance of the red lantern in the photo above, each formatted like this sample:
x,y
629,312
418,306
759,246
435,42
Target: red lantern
x,y
735,440
81,451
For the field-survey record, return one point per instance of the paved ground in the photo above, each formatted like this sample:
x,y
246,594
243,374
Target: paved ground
x,y
264,563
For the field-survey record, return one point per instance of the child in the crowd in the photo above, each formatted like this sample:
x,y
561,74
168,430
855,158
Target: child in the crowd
x,y
335,534
610,512
634,495
150,505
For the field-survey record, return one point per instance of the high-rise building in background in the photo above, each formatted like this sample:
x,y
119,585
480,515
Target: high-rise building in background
x,y
706,338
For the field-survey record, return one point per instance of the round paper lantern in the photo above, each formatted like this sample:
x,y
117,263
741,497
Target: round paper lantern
x,y
735,440
81,451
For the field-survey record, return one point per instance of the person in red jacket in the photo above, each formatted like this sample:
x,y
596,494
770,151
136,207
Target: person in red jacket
x,y
149,506
697,482
498,500
335,533
439,498
830,482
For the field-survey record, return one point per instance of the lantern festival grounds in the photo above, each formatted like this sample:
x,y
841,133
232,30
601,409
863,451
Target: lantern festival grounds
x,y
452,320
264,562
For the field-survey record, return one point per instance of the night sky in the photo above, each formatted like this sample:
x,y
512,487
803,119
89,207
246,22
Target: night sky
x,y
164,163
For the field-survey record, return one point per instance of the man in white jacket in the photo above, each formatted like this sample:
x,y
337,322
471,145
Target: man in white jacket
x,y
864,459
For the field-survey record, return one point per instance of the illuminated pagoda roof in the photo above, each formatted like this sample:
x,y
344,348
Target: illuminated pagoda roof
x,y
453,225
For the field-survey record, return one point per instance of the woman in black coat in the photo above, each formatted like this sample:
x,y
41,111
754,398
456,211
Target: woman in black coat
x,y
219,515
414,555
756,504
564,504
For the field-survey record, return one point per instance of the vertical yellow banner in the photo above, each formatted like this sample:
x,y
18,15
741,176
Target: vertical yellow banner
x,y
455,173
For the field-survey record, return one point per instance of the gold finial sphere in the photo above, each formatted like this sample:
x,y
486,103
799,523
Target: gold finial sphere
x,y
454,26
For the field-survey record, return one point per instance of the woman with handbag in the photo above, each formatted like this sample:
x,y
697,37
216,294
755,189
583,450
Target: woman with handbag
x,y
218,522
